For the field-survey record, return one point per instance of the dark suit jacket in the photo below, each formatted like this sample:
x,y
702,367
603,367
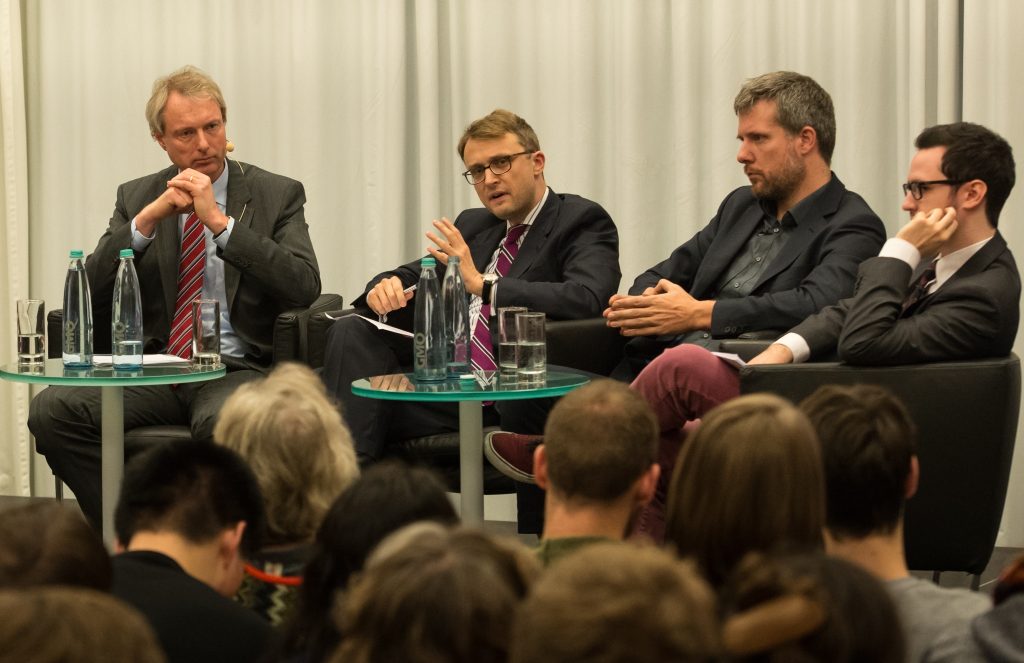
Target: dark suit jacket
x,y
815,268
269,263
567,266
192,621
973,315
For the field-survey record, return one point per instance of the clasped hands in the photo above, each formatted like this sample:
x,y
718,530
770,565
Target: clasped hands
x,y
664,309
188,191
389,294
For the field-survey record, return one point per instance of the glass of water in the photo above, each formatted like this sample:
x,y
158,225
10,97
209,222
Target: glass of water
x,y
31,315
532,348
508,364
205,332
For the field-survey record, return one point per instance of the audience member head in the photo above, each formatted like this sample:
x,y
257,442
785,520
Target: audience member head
x,y
495,125
750,479
617,603
799,102
974,152
189,82
808,607
386,497
48,544
599,446
297,445
73,625
200,494
429,593
867,443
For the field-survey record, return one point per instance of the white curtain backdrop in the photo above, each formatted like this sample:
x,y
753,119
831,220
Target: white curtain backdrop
x,y
364,100
14,246
994,96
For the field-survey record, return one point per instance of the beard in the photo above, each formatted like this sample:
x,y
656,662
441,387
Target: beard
x,y
782,184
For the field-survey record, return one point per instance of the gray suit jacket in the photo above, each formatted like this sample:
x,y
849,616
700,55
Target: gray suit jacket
x,y
269,263
973,315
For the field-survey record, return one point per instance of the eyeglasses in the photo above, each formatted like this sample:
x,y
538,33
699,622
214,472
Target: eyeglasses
x,y
917,189
498,166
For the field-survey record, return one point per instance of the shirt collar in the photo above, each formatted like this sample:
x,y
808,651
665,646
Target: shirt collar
x,y
799,212
947,265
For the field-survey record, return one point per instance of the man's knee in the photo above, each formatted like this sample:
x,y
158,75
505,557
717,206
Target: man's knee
x,y
53,411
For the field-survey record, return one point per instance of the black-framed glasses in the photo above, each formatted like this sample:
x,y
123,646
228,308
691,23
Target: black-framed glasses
x,y
498,166
917,189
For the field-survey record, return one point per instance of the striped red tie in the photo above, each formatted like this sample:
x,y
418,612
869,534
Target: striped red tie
x,y
190,284
481,346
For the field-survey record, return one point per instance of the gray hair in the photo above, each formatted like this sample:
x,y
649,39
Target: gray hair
x,y
800,101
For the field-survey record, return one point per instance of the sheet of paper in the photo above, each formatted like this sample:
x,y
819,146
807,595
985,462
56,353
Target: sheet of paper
x,y
147,360
385,327
731,359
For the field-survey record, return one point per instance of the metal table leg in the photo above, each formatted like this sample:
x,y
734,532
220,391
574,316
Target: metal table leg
x,y
471,469
112,466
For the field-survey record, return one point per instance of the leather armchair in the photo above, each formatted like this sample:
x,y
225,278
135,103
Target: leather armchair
x,y
966,416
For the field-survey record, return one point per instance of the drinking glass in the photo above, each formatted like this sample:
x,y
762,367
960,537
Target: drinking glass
x,y
206,332
31,315
508,364
532,356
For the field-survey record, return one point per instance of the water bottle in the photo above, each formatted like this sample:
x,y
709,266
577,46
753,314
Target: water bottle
x,y
456,319
126,321
429,361
76,338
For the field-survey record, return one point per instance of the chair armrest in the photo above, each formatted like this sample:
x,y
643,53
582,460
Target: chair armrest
x,y
587,345
747,349
316,333
291,329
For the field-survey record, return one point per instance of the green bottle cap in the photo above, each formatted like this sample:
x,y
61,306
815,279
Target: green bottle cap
x,y
428,262
77,253
127,253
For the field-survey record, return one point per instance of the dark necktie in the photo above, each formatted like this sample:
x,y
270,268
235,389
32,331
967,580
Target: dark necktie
x,y
920,288
482,348
191,267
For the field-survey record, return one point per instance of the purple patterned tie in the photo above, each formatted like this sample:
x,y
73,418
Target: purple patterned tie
x,y
920,288
482,348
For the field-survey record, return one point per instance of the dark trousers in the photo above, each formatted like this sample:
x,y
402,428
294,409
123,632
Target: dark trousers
x,y
66,424
356,349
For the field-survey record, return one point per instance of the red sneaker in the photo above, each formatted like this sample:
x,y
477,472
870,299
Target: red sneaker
x,y
512,454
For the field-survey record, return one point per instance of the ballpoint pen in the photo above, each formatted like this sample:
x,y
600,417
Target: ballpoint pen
x,y
383,317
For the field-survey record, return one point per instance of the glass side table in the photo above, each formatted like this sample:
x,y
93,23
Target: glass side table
x,y
111,384
470,395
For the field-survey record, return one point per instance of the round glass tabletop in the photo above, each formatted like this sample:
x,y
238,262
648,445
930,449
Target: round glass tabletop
x,y
483,386
53,371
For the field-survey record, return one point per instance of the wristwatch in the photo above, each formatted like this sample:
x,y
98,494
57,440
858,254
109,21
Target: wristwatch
x,y
489,281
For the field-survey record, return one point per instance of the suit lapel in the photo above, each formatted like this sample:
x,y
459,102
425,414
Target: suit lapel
x,y
814,220
730,242
537,235
167,246
484,244
238,209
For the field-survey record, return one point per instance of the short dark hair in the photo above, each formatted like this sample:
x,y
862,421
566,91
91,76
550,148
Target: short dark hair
x,y
799,101
974,152
867,443
48,544
195,489
599,440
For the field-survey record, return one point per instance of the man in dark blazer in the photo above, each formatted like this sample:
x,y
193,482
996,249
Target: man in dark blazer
x,y
945,288
254,256
778,250
567,266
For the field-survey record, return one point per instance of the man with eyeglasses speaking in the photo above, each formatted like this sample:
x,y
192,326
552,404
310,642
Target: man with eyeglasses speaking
x,y
529,246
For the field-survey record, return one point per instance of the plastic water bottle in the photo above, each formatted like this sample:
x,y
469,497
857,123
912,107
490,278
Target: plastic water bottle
x,y
456,319
126,321
429,361
76,337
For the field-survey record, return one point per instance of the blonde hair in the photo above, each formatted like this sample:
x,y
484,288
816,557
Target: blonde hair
x,y
297,445
188,81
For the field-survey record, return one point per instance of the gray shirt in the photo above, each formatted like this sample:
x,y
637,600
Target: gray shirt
x,y
930,613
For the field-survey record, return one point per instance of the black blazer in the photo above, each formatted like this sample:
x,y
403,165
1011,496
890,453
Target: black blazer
x,y
973,315
567,266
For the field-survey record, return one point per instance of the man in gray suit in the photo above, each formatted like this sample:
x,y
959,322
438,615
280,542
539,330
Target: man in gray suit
x,y
206,226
